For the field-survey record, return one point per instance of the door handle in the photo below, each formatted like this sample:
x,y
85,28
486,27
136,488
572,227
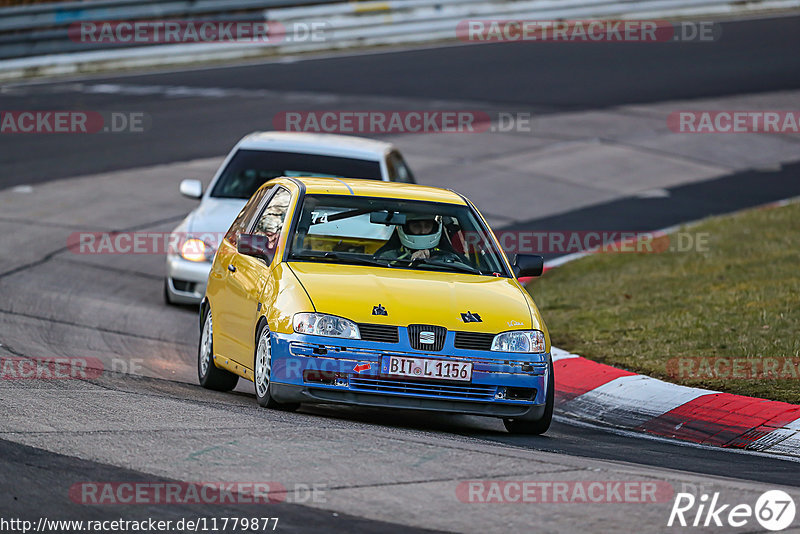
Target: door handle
x,y
231,268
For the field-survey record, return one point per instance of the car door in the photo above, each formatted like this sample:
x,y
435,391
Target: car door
x,y
223,287
250,274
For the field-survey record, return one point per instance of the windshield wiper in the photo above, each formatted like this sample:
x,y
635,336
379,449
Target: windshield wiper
x,y
339,257
464,268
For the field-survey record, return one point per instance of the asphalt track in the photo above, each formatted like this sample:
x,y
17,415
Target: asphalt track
x,y
750,57
37,473
84,314
684,203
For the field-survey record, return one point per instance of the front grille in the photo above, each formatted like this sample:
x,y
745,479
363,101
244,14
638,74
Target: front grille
x,y
474,341
439,333
433,389
379,333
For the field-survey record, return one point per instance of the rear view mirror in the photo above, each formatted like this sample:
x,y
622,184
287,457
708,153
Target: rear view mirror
x,y
191,188
387,217
526,265
257,246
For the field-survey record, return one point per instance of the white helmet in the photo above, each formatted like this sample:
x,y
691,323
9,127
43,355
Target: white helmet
x,y
423,241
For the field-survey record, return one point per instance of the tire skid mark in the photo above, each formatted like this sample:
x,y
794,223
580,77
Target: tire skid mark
x,y
50,255
114,269
89,327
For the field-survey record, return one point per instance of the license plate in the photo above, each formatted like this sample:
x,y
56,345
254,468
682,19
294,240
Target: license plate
x,y
425,368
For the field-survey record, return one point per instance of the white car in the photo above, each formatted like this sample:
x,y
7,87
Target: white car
x,y
257,158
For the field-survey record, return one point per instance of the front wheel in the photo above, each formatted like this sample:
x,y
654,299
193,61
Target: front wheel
x,y
209,375
263,372
536,426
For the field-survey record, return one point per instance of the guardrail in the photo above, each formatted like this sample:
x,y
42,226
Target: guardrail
x,y
37,35
429,20
34,16
44,28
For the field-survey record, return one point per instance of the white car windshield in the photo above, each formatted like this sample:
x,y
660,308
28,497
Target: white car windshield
x,y
249,169
394,234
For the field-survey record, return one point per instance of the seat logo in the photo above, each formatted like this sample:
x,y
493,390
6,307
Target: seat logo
x,y
470,317
427,338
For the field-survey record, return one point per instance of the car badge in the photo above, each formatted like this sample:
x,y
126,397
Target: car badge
x,y
470,317
379,310
427,338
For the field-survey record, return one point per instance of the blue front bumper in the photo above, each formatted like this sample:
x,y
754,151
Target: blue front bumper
x,y
324,369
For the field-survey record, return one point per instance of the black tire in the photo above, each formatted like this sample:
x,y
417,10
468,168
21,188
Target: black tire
x,y
536,426
208,374
167,300
262,370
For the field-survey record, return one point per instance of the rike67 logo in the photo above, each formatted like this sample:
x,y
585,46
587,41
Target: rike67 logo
x,y
774,510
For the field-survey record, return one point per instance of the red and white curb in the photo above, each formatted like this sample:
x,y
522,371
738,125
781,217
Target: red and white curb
x,y
598,393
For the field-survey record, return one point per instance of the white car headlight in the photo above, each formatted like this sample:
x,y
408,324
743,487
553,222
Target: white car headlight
x,y
531,341
194,249
320,324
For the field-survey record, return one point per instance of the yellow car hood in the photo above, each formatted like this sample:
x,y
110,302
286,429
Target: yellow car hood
x,y
415,297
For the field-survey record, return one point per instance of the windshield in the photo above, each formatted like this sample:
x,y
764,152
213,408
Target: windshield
x,y
249,169
394,234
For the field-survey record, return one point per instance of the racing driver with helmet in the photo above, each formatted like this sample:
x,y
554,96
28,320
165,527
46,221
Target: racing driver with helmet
x,y
419,239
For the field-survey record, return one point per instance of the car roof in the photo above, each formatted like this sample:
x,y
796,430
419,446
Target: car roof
x,y
317,143
375,188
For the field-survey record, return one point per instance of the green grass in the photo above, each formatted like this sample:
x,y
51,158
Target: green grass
x,y
739,298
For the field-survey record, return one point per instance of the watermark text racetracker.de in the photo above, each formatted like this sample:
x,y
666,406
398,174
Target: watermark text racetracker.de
x,y
64,367
430,121
387,121
207,493
734,122
73,122
596,241
143,242
49,368
383,121
564,492
142,32
586,31
722,368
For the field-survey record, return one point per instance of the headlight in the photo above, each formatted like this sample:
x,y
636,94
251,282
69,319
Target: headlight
x,y
320,324
531,341
197,250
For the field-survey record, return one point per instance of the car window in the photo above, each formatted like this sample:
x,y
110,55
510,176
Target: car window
x,y
248,212
353,229
247,170
398,169
271,220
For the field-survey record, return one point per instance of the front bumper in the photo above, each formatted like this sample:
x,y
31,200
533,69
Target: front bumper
x,y
313,369
186,280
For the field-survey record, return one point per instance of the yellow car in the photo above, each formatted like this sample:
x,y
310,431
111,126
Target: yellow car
x,y
370,293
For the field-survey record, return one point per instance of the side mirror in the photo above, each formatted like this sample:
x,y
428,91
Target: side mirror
x,y
191,188
257,246
526,265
